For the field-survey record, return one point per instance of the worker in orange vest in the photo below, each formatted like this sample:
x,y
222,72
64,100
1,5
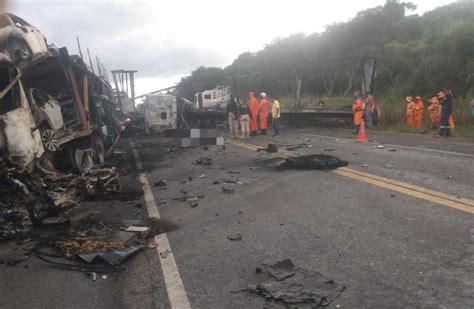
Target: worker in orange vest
x,y
357,111
253,106
418,116
434,110
410,115
263,110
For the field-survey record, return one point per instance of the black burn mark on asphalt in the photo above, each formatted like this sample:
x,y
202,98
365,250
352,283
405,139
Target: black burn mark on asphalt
x,y
312,162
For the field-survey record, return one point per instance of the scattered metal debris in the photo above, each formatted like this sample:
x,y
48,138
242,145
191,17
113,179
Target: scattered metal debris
x,y
228,190
234,237
160,183
112,257
303,145
271,148
204,161
297,286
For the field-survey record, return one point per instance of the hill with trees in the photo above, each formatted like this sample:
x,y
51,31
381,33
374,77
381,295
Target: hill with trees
x,y
416,55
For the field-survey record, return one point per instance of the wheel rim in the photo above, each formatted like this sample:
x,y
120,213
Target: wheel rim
x,y
49,139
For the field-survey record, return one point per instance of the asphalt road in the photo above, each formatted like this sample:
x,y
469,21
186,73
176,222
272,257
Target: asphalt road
x,y
391,245
391,250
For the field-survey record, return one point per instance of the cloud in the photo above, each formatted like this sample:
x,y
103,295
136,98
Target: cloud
x,y
124,35
169,38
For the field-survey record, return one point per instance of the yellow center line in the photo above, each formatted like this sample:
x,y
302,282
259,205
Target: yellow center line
x,y
440,198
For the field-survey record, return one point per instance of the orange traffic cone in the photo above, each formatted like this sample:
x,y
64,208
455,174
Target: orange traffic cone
x,y
362,137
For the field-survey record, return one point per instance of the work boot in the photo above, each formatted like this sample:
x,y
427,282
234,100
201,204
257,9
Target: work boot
x,y
442,132
356,130
263,131
448,132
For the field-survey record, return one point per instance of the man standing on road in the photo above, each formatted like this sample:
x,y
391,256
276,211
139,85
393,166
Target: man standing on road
x,y
357,111
418,117
434,110
263,112
410,114
233,117
275,116
244,120
253,107
446,100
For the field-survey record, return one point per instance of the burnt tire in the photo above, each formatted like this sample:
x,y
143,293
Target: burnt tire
x,y
98,147
83,160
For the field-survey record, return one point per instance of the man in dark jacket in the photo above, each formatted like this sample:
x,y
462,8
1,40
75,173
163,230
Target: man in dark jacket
x,y
233,117
446,99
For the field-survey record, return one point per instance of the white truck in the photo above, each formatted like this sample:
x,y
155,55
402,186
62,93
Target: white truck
x,y
216,98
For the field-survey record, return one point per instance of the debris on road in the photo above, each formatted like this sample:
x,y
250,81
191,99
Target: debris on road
x,y
152,244
329,149
297,286
82,245
303,145
228,190
112,257
313,162
164,254
204,161
234,237
137,229
379,146
271,148
160,183
202,176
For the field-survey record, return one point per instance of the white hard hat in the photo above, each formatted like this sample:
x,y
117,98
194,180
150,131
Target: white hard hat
x,y
263,95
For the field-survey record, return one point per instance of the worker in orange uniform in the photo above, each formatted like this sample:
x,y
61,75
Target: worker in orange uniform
x,y
357,111
263,110
253,106
410,115
434,110
418,117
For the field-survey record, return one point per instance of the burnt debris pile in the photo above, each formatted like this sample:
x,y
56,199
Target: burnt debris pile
x,y
313,162
58,125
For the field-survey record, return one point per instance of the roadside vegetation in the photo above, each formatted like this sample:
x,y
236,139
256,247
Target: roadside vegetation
x,y
416,55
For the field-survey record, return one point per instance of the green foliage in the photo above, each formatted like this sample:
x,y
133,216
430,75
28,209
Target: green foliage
x,y
201,79
417,55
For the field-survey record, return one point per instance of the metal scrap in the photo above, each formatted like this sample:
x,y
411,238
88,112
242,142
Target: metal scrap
x,y
297,286
204,161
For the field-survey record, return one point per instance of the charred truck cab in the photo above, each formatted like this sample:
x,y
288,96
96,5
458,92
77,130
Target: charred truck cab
x,y
73,109
20,139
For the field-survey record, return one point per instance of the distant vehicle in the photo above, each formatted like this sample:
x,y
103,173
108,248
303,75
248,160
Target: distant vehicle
x,y
20,138
216,98
19,40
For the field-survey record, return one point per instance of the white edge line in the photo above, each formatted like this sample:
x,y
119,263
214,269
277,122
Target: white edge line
x,y
174,285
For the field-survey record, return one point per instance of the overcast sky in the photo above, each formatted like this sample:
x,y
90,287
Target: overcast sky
x,y
167,39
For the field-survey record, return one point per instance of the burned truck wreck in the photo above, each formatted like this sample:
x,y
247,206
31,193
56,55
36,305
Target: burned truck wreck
x,y
57,126
85,129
